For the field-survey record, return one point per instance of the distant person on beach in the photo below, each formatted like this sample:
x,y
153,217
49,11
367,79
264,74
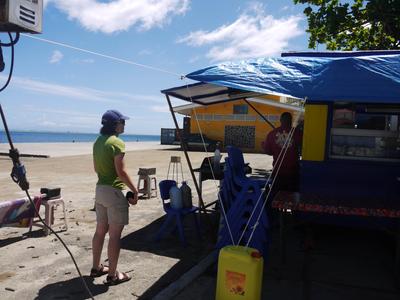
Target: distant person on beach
x,y
111,204
288,174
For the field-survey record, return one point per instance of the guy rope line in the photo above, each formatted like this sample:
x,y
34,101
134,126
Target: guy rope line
x,y
104,55
286,146
280,158
211,167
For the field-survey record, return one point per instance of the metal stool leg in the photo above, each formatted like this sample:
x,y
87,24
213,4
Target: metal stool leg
x,y
155,185
65,215
168,170
47,218
148,186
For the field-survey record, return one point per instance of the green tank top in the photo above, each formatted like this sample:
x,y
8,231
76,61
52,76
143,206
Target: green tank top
x,y
105,148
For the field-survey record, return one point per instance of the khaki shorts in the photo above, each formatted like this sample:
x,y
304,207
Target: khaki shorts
x,y
111,206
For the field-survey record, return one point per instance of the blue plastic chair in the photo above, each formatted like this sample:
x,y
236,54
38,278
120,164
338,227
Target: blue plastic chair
x,y
177,214
236,164
240,194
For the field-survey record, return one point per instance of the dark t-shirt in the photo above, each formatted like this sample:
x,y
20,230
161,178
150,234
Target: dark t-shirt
x,y
273,145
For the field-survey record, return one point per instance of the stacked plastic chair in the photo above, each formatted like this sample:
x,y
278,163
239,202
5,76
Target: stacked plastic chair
x,y
239,196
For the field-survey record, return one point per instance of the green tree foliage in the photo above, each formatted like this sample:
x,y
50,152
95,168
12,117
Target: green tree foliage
x,y
358,24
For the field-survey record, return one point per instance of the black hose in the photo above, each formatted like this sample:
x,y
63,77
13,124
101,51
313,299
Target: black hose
x,y
18,174
12,42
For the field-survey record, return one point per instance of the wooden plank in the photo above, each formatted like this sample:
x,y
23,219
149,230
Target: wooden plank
x,y
26,155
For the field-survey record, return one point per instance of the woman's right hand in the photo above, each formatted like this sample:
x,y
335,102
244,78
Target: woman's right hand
x,y
132,198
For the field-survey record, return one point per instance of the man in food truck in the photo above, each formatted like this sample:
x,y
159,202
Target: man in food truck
x,y
286,164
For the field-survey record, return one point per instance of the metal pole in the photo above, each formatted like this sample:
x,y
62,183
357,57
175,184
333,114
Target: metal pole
x,y
3,118
260,114
183,145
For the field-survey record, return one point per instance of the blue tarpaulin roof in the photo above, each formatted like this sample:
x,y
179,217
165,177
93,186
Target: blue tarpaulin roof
x,y
351,77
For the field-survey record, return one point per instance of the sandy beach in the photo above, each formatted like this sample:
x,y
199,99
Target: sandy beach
x,y
345,263
37,266
71,149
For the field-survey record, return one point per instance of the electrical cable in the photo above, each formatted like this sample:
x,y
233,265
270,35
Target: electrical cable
x,y
18,174
105,56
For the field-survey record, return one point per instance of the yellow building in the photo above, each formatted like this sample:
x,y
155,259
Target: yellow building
x,y
233,123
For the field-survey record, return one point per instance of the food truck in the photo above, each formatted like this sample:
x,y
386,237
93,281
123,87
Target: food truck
x,y
351,142
350,156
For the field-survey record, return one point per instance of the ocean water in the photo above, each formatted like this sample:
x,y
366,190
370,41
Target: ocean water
x,y
64,137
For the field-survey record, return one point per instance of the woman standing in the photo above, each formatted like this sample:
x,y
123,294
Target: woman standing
x,y
111,205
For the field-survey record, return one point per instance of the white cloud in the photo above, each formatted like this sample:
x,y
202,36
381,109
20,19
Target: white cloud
x,y
80,93
88,60
63,118
160,108
120,15
83,61
194,59
46,2
253,34
56,57
145,52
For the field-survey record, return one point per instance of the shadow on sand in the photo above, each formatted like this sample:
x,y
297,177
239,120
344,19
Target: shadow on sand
x,y
15,239
170,246
71,289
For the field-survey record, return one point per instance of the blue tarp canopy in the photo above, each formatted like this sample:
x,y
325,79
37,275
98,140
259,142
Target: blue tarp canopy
x,y
369,77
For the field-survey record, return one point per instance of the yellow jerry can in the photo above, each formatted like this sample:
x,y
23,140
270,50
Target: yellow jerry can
x,y
240,271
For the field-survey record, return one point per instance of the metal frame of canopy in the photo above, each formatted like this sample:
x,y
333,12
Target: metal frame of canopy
x,y
208,94
365,77
295,74
361,76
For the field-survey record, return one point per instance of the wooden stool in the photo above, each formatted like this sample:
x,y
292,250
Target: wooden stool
x,y
149,179
50,206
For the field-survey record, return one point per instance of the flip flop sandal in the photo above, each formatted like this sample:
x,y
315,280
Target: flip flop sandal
x,y
99,272
110,280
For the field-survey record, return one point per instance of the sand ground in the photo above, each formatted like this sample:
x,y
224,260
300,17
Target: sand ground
x,y
37,267
343,264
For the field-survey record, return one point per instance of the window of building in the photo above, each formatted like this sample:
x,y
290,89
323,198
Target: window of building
x,y
208,117
240,136
239,117
251,118
368,132
240,109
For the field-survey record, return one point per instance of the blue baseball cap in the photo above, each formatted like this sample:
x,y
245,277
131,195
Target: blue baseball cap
x,y
112,116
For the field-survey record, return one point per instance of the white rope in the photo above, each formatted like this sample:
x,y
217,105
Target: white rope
x,y
265,186
266,183
103,55
211,167
285,148
270,189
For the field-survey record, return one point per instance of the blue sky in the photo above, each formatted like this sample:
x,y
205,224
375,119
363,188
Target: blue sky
x,y
55,88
